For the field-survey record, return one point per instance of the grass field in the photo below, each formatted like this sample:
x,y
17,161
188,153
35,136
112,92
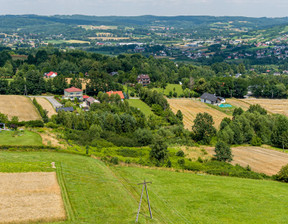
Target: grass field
x,y
110,194
20,138
141,105
170,87
46,106
191,107
19,106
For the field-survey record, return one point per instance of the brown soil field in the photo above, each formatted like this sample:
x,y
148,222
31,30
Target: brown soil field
x,y
238,103
84,82
279,106
19,106
46,106
30,197
190,108
260,159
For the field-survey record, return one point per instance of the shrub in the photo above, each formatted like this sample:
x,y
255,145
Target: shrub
x,y
256,141
282,175
223,152
181,162
169,163
51,125
159,150
35,123
180,153
114,160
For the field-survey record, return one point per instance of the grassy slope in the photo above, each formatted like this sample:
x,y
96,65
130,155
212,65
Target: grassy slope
x,y
110,195
23,138
170,87
141,105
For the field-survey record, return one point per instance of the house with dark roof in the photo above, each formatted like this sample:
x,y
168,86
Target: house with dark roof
x,y
66,109
212,99
143,79
73,93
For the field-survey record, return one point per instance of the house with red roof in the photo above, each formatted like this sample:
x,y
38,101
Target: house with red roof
x,y
120,93
72,93
50,75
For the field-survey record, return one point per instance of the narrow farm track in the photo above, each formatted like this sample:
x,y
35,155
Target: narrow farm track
x,y
46,105
191,107
260,159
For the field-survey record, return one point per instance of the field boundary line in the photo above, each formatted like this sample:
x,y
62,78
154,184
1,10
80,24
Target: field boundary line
x,y
67,205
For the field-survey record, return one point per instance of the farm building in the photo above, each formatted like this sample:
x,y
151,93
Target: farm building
x,y
120,93
73,93
143,79
212,99
50,75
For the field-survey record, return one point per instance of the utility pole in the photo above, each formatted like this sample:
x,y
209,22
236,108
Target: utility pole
x,y
144,185
25,90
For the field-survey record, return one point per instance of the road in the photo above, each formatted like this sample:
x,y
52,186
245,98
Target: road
x,y
52,100
260,159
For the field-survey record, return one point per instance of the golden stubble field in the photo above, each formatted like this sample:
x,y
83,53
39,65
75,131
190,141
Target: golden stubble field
x,y
275,106
30,197
46,106
191,107
19,106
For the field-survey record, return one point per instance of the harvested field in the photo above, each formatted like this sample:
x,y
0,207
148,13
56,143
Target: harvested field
x,y
238,103
190,108
46,105
260,159
30,197
19,106
279,106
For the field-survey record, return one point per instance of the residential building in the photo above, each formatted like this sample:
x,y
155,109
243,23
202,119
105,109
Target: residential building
x,y
120,93
212,99
73,93
143,79
50,75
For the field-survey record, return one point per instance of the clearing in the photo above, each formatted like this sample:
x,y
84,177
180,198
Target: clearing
x,y
275,106
19,106
110,194
46,105
84,82
141,105
191,107
260,159
170,87
20,138
30,197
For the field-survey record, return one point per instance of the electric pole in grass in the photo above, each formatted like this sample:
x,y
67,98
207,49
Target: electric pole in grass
x,y
144,185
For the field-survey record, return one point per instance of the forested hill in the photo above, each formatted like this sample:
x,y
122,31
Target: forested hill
x,y
13,22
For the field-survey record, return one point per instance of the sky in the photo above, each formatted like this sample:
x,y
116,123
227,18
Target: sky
x,y
251,8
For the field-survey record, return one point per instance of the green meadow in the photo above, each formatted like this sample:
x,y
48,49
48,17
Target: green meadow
x,y
141,105
95,192
20,138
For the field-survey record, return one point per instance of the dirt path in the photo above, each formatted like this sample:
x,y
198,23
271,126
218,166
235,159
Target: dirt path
x,y
259,159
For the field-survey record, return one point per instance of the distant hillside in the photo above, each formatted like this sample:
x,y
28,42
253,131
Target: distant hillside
x,y
14,22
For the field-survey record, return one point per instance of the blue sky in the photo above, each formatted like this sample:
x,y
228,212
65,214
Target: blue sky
x,y
253,8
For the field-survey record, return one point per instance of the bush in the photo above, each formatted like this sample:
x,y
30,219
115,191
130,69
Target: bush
x,y
114,160
34,124
223,152
180,153
181,162
282,175
256,141
51,125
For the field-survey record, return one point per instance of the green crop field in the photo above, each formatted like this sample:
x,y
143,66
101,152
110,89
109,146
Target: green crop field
x,y
141,105
170,87
96,193
20,138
